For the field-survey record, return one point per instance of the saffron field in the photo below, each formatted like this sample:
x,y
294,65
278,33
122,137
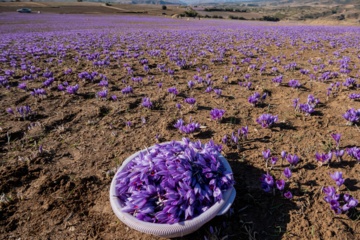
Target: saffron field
x,y
81,93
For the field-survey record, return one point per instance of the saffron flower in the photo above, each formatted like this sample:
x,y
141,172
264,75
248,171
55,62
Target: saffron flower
x,y
22,86
335,200
173,91
352,116
354,152
339,154
266,154
127,90
266,120
336,137
146,103
294,83
292,159
288,195
39,92
217,114
323,158
102,94
337,177
267,182
190,101
103,83
217,92
277,80
280,184
10,111
72,89
287,173
191,84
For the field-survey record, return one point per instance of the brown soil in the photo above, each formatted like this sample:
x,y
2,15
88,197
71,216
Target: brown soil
x,y
63,192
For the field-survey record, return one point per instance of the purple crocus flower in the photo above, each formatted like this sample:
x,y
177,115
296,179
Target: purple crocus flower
x,y
306,108
267,179
266,120
273,160
337,177
208,89
283,154
146,103
191,84
179,123
354,96
38,92
217,92
352,116
294,83
254,99
354,152
323,158
61,87
189,128
292,159
288,195
72,89
278,80
190,101
217,114
127,90
10,111
102,94
266,154
339,154
336,137
22,86
103,83
287,173
350,203
173,91
329,192
280,184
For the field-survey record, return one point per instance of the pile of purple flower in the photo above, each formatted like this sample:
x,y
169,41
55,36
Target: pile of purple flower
x,y
173,182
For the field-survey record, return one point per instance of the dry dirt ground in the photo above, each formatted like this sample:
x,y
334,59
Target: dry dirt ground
x,y
63,191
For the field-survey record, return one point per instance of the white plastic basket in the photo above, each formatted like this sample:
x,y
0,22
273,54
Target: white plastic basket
x,y
171,230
